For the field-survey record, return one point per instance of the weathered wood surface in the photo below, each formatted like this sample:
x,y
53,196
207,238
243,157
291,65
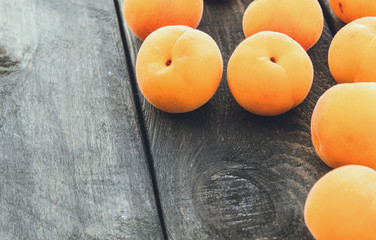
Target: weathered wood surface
x,y
72,162
333,21
224,173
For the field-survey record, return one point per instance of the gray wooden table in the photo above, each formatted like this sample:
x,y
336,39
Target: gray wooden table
x,y
84,156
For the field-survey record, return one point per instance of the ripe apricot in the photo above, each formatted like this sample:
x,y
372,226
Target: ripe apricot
x,y
343,125
349,10
302,20
269,73
145,16
178,68
342,205
352,52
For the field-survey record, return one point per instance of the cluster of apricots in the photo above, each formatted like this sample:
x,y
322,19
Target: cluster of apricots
x,y
342,204
179,69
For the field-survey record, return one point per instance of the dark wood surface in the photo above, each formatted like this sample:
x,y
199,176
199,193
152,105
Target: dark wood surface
x,y
72,161
84,156
223,173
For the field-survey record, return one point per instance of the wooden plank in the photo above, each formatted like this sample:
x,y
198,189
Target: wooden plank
x,y
72,161
334,23
224,173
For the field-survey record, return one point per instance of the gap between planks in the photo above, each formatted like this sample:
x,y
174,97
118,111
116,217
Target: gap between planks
x,y
140,120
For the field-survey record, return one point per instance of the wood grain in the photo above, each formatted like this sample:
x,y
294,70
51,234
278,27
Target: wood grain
x,y
334,23
72,162
224,173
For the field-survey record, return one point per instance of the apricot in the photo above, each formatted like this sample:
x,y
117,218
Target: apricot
x,y
269,73
342,205
302,20
145,16
349,10
178,68
352,52
343,125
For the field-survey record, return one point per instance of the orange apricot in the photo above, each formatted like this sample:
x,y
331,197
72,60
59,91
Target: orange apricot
x,y
343,125
351,55
342,205
178,68
349,10
302,20
145,16
269,73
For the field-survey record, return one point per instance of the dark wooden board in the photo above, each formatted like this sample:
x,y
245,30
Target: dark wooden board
x,y
334,23
224,173
72,161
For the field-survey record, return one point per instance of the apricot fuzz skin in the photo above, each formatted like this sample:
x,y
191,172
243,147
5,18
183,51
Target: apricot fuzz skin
x,y
144,17
341,205
351,55
350,10
302,20
178,68
343,125
269,73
